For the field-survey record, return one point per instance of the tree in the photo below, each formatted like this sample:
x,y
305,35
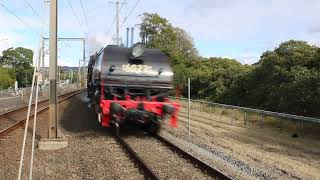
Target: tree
x,y
157,32
20,60
7,78
286,79
213,77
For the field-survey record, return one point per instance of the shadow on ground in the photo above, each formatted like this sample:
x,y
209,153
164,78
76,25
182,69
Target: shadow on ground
x,y
78,117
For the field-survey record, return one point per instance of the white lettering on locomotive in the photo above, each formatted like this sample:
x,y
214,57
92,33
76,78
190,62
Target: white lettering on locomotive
x,y
137,68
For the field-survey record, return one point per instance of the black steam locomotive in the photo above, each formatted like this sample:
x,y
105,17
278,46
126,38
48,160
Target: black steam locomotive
x,y
131,84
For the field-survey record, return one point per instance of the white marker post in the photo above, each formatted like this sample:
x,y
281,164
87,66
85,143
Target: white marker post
x,y
189,107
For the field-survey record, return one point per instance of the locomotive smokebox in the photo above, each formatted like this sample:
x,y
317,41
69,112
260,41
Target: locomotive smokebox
x,y
135,67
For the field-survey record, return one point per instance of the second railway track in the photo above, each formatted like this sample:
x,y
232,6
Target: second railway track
x,y
158,158
11,120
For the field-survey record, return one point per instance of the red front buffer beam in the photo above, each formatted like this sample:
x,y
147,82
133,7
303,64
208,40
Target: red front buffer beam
x,y
171,109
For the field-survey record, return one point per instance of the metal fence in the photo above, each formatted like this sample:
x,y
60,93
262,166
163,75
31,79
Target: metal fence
x,y
243,116
11,99
258,111
236,115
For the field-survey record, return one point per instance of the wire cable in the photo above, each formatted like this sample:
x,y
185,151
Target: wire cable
x,y
85,16
75,15
26,126
32,8
20,19
125,19
35,115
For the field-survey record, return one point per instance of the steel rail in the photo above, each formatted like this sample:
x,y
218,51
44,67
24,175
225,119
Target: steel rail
x,y
148,172
21,122
25,106
258,111
213,172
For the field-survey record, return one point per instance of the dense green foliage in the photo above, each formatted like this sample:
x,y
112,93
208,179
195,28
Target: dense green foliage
x,y
7,78
157,32
19,60
286,79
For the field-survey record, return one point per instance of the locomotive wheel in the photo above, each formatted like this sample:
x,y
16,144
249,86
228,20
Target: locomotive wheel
x,y
153,126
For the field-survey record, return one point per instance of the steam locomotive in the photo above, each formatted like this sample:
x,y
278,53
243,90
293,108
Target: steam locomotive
x,y
131,85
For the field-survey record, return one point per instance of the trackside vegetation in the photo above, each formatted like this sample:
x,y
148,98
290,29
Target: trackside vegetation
x,y
286,79
16,65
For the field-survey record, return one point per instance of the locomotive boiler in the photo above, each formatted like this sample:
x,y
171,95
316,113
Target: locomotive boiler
x,y
131,85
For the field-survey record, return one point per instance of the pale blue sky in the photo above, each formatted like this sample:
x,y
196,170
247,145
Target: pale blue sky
x,y
240,29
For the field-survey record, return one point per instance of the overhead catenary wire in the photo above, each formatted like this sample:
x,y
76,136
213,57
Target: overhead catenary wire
x,y
77,18
20,19
134,7
85,16
32,8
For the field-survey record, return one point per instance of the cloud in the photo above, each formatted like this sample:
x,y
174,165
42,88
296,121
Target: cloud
x,y
248,59
8,40
315,42
314,29
234,25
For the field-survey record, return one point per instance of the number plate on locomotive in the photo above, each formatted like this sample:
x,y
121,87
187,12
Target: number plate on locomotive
x,y
133,68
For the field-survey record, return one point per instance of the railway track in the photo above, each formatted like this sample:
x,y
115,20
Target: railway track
x,y
14,119
155,161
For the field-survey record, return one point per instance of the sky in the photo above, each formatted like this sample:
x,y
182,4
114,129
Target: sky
x,y
240,29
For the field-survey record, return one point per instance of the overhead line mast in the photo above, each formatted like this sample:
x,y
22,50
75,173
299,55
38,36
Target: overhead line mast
x,y
117,20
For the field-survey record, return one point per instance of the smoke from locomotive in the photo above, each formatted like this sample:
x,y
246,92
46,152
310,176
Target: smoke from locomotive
x,y
131,84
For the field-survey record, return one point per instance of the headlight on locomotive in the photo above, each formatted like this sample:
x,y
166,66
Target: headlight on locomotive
x,y
137,50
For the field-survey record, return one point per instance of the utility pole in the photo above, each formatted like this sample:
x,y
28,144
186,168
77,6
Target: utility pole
x,y
117,22
59,75
53,123
127,37
71,80
42,59
84,60
79,76
132,34
84,73
55,140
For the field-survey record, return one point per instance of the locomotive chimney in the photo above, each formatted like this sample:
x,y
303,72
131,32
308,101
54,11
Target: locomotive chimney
x,y
127,37
132,31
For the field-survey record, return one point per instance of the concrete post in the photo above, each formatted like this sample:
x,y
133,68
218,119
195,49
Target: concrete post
x,y
53,131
